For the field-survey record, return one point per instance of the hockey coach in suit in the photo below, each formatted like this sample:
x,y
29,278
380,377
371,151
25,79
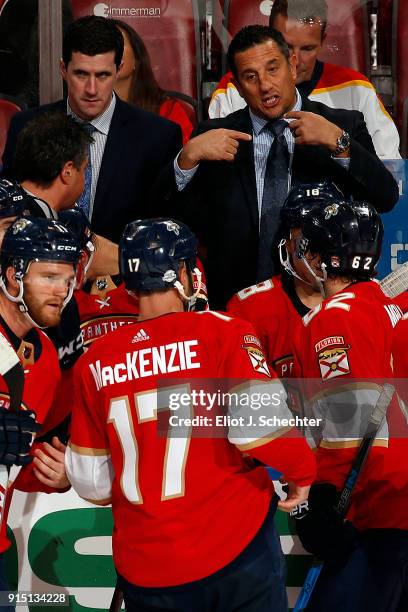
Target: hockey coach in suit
x,y
231,179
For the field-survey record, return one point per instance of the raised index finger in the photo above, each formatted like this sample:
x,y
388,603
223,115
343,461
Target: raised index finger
x,y
239,135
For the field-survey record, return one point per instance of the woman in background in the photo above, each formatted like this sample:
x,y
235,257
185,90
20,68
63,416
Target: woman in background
x,y
137,84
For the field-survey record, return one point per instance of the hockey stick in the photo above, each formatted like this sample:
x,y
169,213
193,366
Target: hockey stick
x,y
117,600
343,504
13,373
396,282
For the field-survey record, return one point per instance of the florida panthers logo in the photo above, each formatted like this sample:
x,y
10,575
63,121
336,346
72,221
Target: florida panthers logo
x,y
172,227
331,211
19,225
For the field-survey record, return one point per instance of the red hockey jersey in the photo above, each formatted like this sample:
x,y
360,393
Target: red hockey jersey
x,y
273,315
400,360
42,375
185,502
105,311
345,346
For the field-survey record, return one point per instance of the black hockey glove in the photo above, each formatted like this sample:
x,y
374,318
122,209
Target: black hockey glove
x,y
320,528
16,432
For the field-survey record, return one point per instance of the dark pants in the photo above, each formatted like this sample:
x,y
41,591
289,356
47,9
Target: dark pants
x,y
374,579
253,582
4,583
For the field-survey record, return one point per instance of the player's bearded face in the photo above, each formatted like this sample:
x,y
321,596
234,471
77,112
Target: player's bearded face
x,y
46,286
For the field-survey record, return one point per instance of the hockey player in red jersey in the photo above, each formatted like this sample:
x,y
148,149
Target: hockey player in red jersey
x,y
108,306
193,518
38,259
344,345
275,305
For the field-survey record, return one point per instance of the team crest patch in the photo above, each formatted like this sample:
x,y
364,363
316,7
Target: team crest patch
x,y
250,339
329,341
334,362
257,359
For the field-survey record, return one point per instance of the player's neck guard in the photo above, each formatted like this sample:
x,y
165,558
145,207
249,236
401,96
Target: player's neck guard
x,y
190,300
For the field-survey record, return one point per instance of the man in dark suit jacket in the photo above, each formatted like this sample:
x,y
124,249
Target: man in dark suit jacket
x,y
220,179
130,145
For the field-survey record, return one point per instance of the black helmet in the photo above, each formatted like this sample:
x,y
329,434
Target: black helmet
x,y
304,196
34,239
346,235
150,252
76,221
14,200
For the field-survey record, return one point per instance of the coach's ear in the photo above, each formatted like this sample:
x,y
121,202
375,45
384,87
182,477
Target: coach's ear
x,y
67,172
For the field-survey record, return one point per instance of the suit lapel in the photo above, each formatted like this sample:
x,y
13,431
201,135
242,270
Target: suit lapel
x,y
245,165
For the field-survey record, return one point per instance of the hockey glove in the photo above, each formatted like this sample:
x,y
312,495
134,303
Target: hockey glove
x,y
16,434
321,529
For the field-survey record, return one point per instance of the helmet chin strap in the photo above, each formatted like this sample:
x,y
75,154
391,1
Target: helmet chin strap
x,y
91,251
320,281
190,300
284,258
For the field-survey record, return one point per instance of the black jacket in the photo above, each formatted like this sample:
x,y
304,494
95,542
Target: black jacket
x,y
220,203
138,146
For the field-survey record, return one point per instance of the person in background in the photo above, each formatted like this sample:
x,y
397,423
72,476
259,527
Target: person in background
x,y
136,83
50,163
303,25
130,147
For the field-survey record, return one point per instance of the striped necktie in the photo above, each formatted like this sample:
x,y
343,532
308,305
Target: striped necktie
x,y
84,201
274,193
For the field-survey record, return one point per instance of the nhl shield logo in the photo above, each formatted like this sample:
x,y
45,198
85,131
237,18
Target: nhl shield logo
x,y
169,276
